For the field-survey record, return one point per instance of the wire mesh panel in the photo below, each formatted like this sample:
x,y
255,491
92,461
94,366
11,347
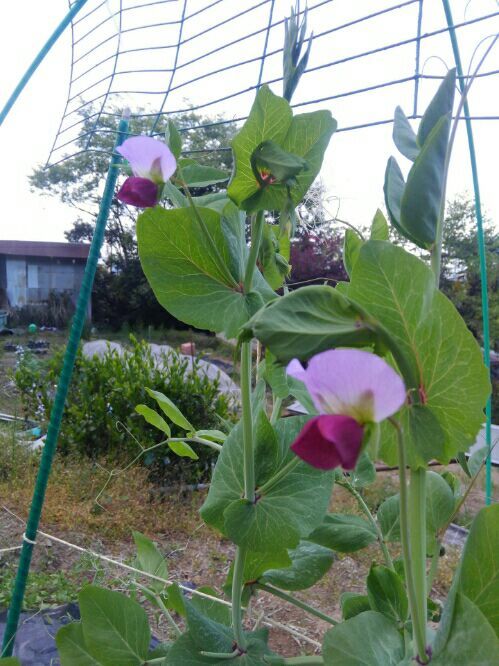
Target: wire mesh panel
x,y
175,56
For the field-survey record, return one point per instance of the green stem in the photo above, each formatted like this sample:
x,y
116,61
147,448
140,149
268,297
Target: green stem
x,y
284,471
417,528
197,440
433,568
221,655
222,266
256,237
372,520
164,609
276,410
294,661
249,463
418,631
296,602
237,588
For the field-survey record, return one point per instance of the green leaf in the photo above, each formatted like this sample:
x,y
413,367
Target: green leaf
x,y
208,634
256,564
439,508
150,560
175,195
403,135
309,563
364,473
183,450
368,639
115,627
154,418
185,652
386,593
71,646
210,608
274,255
212,435
379,227
476,459
344,533
270,158
170,409
351,249
479,572
306,135
289,510
307,321
394,189
173,139
197,175
299,391
352,604
215,200
397,289
441,105
421,204
470,639
275,376
185,272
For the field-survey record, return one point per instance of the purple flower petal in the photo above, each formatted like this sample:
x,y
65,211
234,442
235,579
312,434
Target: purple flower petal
x,y
140,192
295,369
353,382
329,441
148,158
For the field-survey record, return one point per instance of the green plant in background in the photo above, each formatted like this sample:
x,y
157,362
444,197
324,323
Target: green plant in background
x,y
413,391
100,419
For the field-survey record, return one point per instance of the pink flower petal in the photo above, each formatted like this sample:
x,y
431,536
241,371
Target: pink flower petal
x,y
295,369
140,192
329,441
356,383
148,158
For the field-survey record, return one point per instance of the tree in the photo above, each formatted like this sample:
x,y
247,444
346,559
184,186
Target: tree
x,y
461,267
121,289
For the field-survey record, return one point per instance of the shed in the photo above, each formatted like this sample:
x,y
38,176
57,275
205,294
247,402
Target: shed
x,y
30,271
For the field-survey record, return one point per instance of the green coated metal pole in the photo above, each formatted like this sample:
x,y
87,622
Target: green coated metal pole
x,y
39,58
481,245
29,537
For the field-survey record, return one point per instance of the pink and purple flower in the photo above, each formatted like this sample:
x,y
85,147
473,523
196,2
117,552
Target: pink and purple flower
x,y
152,164
350,388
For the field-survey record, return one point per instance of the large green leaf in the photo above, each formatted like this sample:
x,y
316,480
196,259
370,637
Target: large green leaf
x,y
393,189
353,604
351,248
71,646
310,320
397,289
198,175
441,105
471,640
115,627
309,563
379,227
344,533
289,510
386,593
306,135
479,573
368,639
421,205
185,274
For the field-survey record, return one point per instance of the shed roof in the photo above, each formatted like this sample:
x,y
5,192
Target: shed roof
x,y
44,249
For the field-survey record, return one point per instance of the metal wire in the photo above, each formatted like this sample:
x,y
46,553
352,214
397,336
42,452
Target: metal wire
x,y
88,104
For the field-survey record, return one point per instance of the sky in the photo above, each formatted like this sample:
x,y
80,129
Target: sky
x,y
354,165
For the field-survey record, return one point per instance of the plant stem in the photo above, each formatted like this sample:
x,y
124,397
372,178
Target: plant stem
x,y
249,463
372,520
197,440
221,655
294,661
296,602
417,529
284,471
168,615
256,237
418,631
276,410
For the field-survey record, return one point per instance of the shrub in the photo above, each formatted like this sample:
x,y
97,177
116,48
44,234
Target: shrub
x,y
100,418
56,311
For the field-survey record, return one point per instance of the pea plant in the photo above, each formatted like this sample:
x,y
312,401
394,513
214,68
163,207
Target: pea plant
x,y
384,368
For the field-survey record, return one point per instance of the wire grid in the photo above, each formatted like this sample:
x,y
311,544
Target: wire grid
x,y
163,57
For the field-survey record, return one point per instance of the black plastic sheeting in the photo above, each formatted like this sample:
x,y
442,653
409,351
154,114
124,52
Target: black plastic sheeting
x,y
35,641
